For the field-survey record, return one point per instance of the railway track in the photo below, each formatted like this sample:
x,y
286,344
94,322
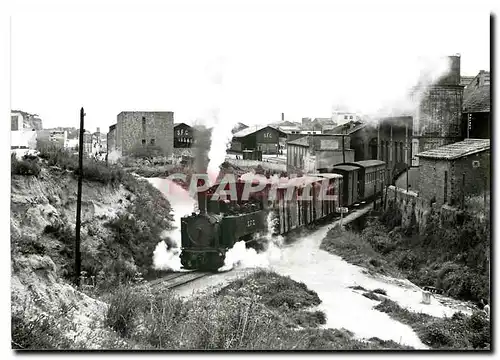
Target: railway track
x,y
174,280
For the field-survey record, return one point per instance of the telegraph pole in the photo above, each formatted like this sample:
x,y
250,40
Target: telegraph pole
x,y
406,158
469,124
343,148
79,201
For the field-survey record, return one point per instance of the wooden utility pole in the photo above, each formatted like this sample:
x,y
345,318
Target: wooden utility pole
x,y
463,191
79,201
406,158
469,124
343,148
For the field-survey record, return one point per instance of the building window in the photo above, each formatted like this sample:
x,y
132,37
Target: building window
x,y
345,117
350,117
143,141
152,141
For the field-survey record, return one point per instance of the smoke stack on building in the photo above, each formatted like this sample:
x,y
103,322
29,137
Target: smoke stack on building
x,y
437,121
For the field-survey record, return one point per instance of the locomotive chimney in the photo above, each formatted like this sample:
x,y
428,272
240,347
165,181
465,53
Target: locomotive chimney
x,y
282,116
202,197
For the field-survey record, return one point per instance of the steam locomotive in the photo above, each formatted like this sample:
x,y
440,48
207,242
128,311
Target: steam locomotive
x,y
224,220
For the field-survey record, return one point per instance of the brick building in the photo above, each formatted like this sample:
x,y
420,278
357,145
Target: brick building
x,y
264,138
313,152
183,135
438,119
139,130
450,173
477,107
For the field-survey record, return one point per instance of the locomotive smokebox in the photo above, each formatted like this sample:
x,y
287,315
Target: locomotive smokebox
x,y
202,197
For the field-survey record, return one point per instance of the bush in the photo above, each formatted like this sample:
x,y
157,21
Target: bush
x,y
309,319
29,245
39,333
274,290
26,166
93,170
123,309
458,332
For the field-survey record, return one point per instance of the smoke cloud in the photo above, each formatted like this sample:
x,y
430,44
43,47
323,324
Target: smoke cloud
x,y
239,256
406,98
167,253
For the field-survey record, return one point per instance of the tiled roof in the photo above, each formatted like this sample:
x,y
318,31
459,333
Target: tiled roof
x,y
253,129
457,150
478,101
303,141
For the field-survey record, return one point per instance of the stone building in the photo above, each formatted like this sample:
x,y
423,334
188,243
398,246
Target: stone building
x,y
137,131
438,119
451,173
313,152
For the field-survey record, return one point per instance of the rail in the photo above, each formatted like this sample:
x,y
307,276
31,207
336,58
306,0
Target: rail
x,y
175,280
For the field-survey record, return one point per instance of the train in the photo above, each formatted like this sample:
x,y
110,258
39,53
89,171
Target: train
x,y
294,203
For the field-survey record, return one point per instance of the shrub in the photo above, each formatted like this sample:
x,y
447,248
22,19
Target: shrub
x,y
93,170
26,166
309,319
41,332
458,332
380,291
28,245
124,306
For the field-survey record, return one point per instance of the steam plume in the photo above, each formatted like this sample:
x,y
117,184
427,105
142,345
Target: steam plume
x,y
167,253
242,257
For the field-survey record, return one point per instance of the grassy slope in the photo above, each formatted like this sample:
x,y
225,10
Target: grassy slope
x,y
263,311
449,258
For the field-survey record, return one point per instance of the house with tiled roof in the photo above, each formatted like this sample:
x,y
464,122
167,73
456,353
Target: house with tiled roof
x,y
476,107
455,172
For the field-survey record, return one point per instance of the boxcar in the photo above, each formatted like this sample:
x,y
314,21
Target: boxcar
x,y
293,211
335,182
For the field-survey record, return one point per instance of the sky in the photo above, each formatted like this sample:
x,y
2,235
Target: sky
x,y
228,65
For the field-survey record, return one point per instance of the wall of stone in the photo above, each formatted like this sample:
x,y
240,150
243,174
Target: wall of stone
x,y
410,204
139,129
